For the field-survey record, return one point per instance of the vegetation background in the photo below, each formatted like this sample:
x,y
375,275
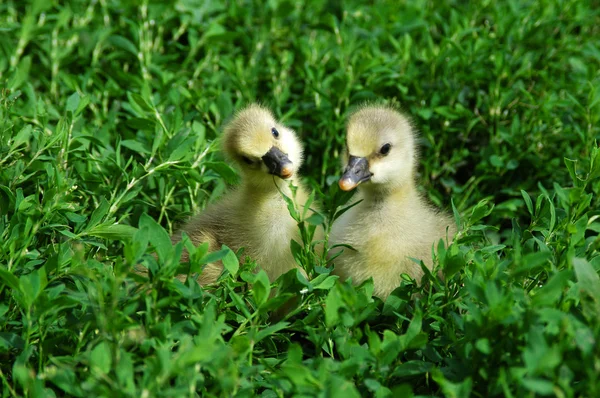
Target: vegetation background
x,y
108,115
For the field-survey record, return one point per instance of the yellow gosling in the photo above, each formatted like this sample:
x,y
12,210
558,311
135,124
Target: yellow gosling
x,y
393,222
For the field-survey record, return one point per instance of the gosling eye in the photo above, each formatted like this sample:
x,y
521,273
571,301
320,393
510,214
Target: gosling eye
x,y
275,132
385,149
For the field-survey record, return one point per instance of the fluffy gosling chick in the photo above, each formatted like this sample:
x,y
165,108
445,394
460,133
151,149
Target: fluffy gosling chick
x,y
254,215
393,222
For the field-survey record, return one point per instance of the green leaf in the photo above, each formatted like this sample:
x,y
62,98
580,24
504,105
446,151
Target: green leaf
x,y
114,231
343,389
141,123
73,102
22,137
294,353
483,345
83,103
158,237
412,368
138,100
291,206
200,130
594,164
552,216
528,202
297,252
328,283
414,329
215,256
182,149
307,204
492,248
21,73
123,43
124,370
231,262
270,330
69,234
215,29
135,146
538,386
571,167
453,263
261,288
496,161
481,210
532,261
315,219
339,213
10,280
33,284
76,218
11,341
101,358
332,305
98,214
66,380
238,302
456,214
552,291
587,277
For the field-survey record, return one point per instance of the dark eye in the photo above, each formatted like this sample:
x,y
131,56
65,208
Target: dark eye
x,y
247,160
275,132
385,149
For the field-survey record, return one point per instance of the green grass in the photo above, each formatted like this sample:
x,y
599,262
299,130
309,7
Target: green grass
x,y
108,114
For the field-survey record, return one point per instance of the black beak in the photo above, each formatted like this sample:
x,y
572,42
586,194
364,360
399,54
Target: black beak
x,y
278,163
356,172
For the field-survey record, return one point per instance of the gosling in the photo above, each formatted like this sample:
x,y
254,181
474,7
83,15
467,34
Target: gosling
x,y
393,223
254,215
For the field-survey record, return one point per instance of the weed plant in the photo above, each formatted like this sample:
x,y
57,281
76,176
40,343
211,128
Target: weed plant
x,y
110,112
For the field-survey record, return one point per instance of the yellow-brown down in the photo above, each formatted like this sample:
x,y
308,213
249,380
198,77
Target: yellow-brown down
x,y
393,222
253,215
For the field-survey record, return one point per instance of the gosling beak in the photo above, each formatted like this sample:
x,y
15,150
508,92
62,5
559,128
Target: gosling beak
x,y
356,172
278,163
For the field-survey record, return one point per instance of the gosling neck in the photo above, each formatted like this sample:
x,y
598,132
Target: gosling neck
x,y
380,193
267,186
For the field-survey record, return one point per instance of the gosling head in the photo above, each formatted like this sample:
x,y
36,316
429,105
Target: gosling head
x,y
381,150
261,146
